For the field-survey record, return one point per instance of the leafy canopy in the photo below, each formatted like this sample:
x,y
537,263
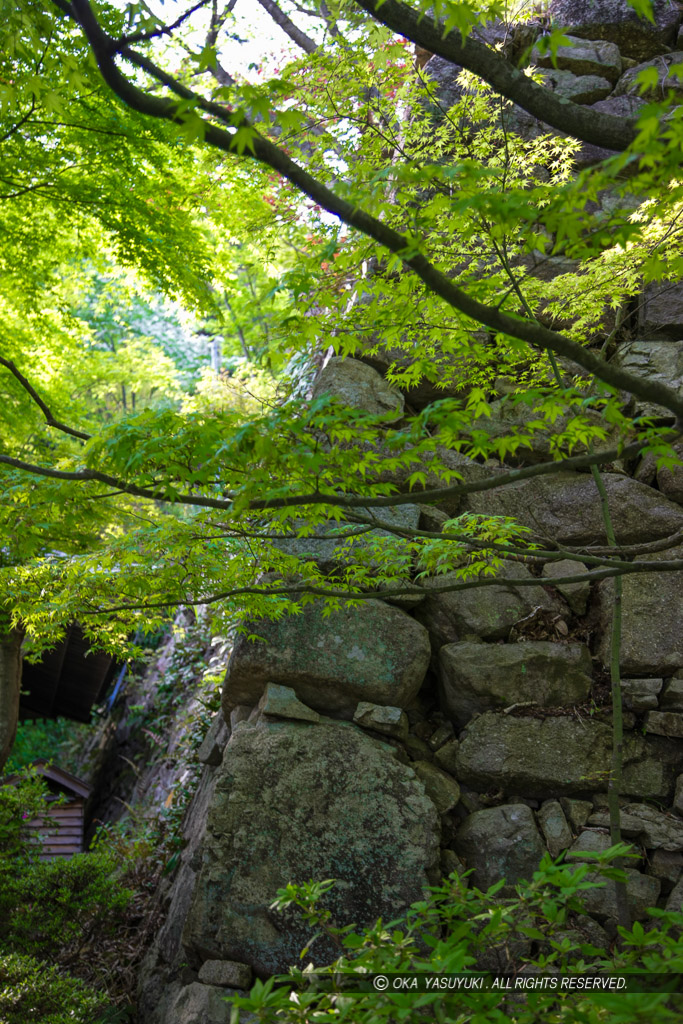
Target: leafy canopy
x,y
153,203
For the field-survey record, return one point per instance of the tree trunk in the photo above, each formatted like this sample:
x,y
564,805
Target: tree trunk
x,y
10,687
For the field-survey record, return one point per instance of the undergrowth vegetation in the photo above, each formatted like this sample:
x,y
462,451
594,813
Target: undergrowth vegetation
x,y
53,916
532,929
73,932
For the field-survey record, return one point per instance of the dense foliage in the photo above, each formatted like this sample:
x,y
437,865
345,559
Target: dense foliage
x,y
57,739
336,202
535,929
50,913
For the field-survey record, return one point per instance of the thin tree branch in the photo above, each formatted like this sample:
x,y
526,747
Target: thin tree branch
x,y
534,555
407,591
22,120
164,30
44,408
331,23
217,22
638,549
93,475
288,26
337,500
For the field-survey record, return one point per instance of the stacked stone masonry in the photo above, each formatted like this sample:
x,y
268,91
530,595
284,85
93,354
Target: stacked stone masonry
x,y
385,745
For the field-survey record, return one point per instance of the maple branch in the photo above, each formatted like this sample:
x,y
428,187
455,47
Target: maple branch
x,y
44,408
288,26
163,30
675,565
352,501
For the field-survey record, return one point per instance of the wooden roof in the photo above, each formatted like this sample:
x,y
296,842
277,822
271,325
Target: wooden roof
x,y
63,780
67,681
60,779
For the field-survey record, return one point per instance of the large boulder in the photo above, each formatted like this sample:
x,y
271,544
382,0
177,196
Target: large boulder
x,y
157,989
583,57
509,418
442,790
441,468
664,723
565,507
201,1004
670,478
575,594
651,828
373,653
484,677
617,22
357,385
629,84
554,826
654,360
550,757
675,900
296,801
661,316
488,612
651,609
617,106
500,842
585,89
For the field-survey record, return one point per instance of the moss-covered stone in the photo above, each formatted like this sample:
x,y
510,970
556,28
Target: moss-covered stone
x,y
566,506
359,386
642,890
482,677
652,607
297,801
550,757
489,612
554,826
442,790
500,842
374,653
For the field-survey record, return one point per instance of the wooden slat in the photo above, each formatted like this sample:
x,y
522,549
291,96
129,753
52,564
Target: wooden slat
x,y
75,828
61,830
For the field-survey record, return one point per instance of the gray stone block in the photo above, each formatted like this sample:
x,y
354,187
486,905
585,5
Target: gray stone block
x,y
226,973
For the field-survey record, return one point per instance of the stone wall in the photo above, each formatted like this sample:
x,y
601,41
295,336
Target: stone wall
x,y
384,746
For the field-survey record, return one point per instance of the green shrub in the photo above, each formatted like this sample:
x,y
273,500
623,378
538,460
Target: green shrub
x,y
48,906
32,991
52,910
457,929
20,804
57,904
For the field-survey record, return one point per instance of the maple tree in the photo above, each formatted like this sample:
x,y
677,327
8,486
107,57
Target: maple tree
x,y
337,202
